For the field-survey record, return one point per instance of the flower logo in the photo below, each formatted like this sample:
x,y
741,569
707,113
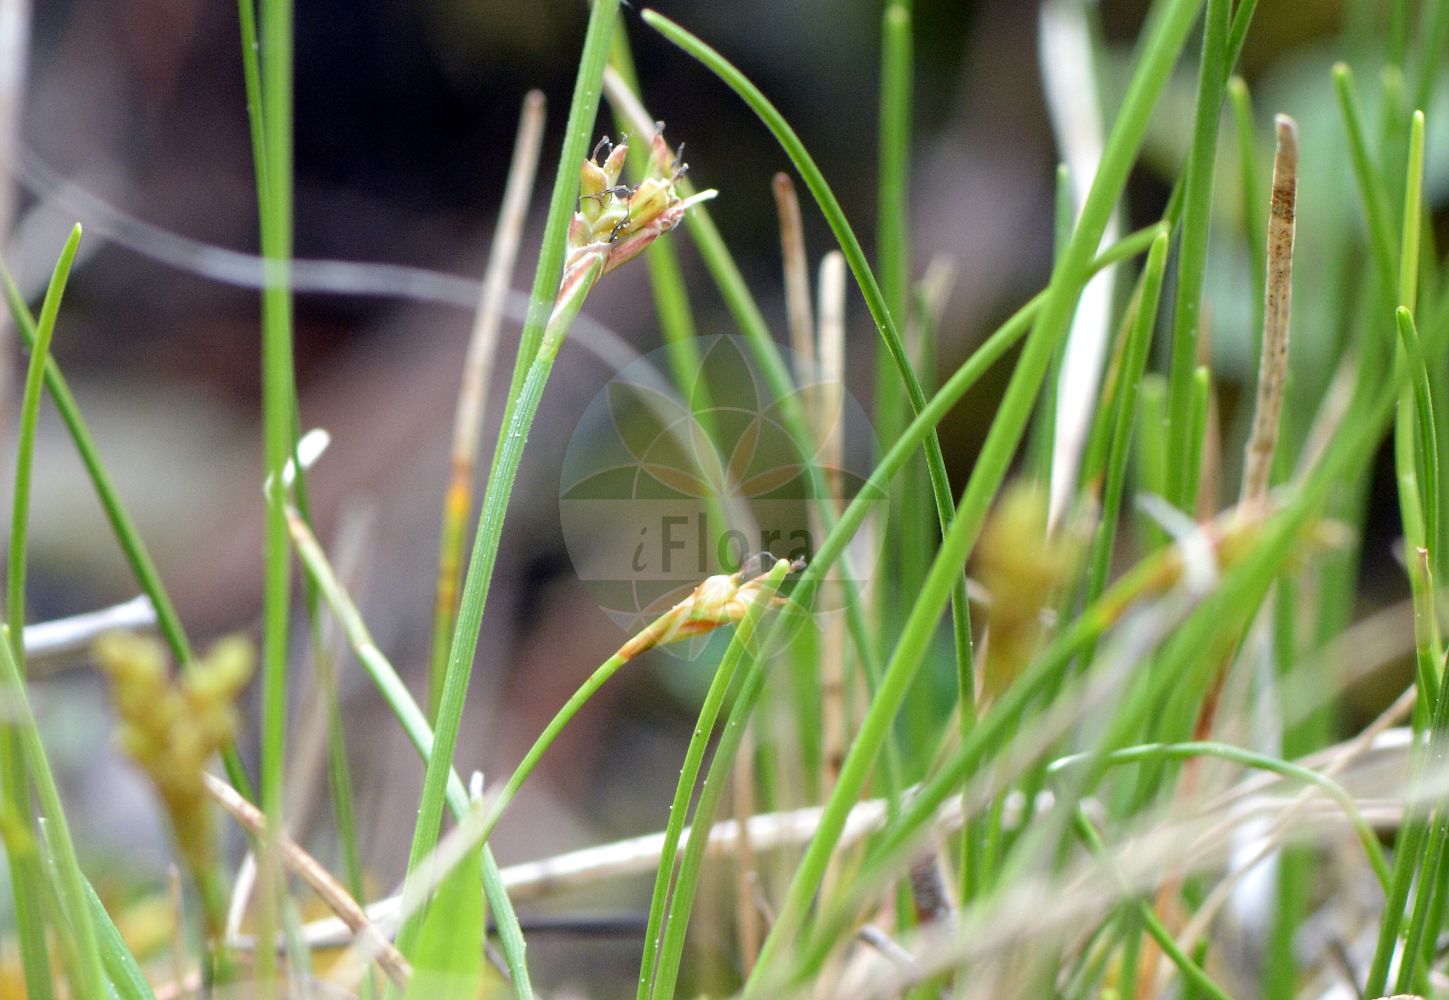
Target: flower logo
x,y
659,492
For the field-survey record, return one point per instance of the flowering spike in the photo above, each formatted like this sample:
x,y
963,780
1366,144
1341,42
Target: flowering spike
x,y
615,221
171,726
720,600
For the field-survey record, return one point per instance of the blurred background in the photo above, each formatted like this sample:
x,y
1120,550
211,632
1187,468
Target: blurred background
x,y
405,123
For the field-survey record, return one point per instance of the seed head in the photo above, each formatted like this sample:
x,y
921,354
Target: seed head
x,y
171,726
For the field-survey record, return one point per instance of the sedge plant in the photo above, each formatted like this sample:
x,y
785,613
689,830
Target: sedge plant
x,y
1135,709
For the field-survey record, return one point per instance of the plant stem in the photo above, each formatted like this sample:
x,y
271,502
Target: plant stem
x,y
682,899
660,966
517,421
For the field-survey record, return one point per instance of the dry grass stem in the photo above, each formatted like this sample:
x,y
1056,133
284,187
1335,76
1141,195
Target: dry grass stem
x,y
307,868
46,643
835,706
1273,359
563,873
797,270
1335,761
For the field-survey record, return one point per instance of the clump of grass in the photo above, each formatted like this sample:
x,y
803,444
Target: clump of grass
x,y
1084,815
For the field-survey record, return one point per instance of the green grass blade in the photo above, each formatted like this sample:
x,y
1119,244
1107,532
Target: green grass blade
x,y
472,394
1238,32
1426,442
449,960
893,264
1192,253
1408,851
475,588
133,547
123,974
666,278
1238,594
1367,838
1202,391
268,86
1432,830
1435,32
992,350
483,829
27,874
1411,859
20,736
25,451
1398,33
730,282
1255,225
71,890
1371,187
1123,416
679,809
893,248
339,772
660,964
682,899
